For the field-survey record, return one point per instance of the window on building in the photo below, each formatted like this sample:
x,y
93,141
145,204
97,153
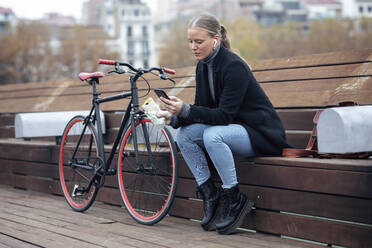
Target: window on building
x,y
129,31
145,63
360,9
136,12
109,11
131,48
123,12
369,9
145,48
144,31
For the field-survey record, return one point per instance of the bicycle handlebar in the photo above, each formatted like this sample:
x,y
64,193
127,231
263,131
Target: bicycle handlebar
x,y
106,62
116,63
169,71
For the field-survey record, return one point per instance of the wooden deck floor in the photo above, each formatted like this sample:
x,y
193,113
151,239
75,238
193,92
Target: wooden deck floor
x,y
33,219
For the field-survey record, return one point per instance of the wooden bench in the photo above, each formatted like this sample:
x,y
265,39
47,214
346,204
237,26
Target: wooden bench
x,y
328,201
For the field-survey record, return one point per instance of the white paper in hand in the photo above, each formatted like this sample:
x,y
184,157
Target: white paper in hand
x,y
151,109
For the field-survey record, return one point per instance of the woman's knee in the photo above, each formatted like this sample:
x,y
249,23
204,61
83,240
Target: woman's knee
x,y
181,136
189,133
211,136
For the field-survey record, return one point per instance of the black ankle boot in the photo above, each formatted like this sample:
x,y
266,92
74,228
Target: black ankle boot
x,y
234,206
210,195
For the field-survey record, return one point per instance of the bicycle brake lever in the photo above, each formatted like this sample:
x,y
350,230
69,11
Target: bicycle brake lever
x,y
119,71
174,82
164,77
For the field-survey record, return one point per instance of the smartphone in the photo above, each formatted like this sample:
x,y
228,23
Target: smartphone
x,y
160,92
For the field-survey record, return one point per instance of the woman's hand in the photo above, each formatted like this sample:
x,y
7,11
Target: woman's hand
x,y
166,115
174,105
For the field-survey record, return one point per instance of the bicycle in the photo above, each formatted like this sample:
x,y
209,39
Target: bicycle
x,y
147,168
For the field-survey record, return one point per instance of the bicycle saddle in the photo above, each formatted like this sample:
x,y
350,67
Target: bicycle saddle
x,y
85,75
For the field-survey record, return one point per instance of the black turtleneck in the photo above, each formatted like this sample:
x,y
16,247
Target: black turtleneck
x,y
209,62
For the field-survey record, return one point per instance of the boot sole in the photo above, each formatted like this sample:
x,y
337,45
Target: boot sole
x,y
211,226
246,209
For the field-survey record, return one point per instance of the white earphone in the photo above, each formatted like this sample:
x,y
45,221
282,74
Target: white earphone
x,y
215,43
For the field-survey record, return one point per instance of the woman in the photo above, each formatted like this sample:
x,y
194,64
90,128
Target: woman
x,y
231,116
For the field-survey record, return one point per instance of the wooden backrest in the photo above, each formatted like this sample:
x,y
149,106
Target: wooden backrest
x,y
297,87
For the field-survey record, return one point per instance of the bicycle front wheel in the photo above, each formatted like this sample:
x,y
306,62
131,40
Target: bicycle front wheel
x,y
147,183
78,158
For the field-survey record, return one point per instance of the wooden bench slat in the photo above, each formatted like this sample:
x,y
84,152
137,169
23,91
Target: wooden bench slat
x,y
300,202
319,93
292,119
341,57
290,225
106,82
347,183
83,90
113,120
7,132
315,93
43,103
362,165
296,119
310,228
6,120
298,139
322,72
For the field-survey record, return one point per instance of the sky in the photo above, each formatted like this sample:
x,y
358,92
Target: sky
x,y
35,9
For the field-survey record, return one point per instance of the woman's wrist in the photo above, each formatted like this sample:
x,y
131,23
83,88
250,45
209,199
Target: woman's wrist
x,y
185,110
174,121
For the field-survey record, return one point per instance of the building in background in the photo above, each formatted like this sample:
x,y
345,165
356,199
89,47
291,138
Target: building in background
x,y
93,13
56,19
270,12
363,8
356,9
8,20
129,26
222,9
321,9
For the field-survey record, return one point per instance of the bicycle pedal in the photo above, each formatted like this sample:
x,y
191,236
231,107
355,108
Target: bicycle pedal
x,y
111,172
76,191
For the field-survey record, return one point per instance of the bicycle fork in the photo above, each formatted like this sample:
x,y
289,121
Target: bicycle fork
x,y
140,166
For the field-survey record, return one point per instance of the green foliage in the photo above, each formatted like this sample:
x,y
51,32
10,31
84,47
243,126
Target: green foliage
x,y
175,51
244,37
253,41
27,54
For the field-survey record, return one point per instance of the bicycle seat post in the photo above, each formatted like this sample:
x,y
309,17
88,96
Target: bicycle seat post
x,y
94,81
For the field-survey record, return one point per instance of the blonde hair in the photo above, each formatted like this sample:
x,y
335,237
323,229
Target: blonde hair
x,y
210,24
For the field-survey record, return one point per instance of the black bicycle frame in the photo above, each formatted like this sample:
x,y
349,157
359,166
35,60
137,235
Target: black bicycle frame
x,y
132,112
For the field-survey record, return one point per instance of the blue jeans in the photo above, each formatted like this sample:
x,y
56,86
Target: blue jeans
x,y
221,143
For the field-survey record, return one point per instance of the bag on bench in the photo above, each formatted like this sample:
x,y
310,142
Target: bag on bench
x,y
339,133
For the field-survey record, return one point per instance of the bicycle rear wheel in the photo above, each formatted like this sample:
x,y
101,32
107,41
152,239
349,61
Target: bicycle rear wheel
x,y
76,171
148,187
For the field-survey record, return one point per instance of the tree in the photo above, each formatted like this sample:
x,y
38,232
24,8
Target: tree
x,y
80,49
329,35
244,35
24,53
175,51
36,52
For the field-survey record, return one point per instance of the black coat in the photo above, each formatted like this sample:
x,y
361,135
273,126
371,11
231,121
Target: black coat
x,y
239,99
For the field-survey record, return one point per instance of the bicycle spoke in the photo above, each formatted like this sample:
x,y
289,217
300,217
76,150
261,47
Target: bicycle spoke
x,y
76,144
148,191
